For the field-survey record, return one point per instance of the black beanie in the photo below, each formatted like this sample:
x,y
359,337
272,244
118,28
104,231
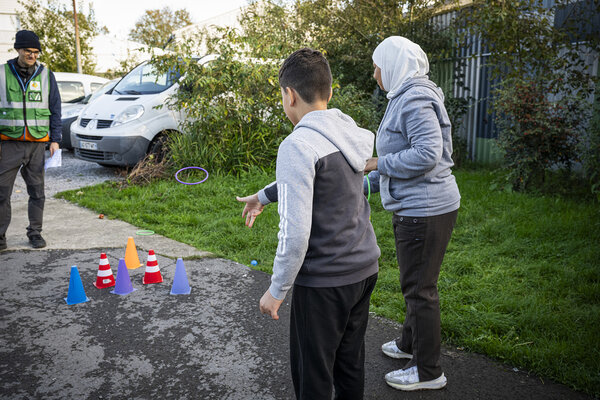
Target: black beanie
x,y
27,40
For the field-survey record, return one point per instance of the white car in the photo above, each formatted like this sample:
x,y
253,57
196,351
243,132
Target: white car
x,y
74,90
74,87
121,127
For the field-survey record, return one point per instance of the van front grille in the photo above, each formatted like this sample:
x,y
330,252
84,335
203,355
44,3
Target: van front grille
x,y
94,155
88,137
84,122
104,123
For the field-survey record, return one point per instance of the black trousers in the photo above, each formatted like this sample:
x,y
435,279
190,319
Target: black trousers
x,y
420,247
29,157
327,340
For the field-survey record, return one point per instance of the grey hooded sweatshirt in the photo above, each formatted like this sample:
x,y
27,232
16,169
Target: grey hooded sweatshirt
x,y
414,149
325,236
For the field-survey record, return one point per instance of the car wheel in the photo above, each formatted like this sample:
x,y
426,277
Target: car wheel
x,y
158,147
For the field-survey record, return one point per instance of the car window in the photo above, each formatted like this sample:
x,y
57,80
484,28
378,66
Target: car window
x,y
105,87
145,80
70,92
95,86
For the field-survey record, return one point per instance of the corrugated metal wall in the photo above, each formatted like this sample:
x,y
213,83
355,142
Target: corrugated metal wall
x,y
469,78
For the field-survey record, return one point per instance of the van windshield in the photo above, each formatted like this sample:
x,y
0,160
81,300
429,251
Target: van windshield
x,y
144,79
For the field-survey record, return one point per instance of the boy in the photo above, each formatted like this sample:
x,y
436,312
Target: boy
x,y
327,248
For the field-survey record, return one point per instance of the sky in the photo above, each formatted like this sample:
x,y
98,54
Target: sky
x,y
119,16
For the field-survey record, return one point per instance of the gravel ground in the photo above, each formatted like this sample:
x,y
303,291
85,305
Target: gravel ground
x,y
73,174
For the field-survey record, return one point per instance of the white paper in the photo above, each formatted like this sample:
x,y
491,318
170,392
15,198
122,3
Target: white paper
x,y
55,160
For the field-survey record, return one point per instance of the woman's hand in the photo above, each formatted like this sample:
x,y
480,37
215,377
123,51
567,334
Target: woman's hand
x,y
371,165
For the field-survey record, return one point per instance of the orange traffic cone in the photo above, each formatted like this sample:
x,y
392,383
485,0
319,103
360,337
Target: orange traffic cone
x,y
152,274
105,276
131,256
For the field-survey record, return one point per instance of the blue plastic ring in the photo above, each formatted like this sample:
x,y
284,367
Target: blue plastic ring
x,y
191,183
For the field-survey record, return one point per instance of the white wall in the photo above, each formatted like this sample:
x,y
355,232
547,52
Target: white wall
x,y
9,25
110,51
229,19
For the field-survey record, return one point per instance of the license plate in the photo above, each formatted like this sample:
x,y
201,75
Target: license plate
x,y
88,145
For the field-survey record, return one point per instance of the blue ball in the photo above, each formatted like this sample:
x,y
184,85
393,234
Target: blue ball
x,y
253,262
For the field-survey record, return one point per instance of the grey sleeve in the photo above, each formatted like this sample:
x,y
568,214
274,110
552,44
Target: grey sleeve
x,y
420,123
295,187
268,194
372,179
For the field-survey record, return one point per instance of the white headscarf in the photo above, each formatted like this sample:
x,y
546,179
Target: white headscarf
x,y
399,60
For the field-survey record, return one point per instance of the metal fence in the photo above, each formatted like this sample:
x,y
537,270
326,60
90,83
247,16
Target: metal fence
x,y
468,76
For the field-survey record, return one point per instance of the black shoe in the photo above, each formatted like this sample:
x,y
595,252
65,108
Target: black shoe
x,y
2,242
37,241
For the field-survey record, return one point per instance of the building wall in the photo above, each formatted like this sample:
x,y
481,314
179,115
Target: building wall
x,y
109,51
9,25
227,19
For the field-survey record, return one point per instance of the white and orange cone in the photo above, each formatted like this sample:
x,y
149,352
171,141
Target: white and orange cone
x,y
105,276
152,274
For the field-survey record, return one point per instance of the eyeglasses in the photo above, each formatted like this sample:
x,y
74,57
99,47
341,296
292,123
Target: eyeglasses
x,y
32,53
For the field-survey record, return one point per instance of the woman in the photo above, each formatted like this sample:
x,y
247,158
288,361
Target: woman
x,y
413,174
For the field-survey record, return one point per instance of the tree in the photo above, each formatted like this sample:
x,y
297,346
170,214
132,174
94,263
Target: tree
x,y
542,101
56,29
155,27
235,120
347,31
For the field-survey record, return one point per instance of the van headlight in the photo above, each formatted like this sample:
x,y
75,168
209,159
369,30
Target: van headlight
x,y
73,112
129,114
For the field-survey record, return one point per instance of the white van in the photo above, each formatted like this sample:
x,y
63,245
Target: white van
x,y
70,111
121,127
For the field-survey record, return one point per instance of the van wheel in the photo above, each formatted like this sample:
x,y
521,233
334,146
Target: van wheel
x,y
158,147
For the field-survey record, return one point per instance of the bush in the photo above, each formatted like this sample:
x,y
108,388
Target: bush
x,y
590,149
536,135
358,105
234,119
457,107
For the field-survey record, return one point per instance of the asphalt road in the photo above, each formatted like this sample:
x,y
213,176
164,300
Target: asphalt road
x,y
211,344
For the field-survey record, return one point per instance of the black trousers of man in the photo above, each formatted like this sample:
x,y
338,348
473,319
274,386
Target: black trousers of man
x,y
420,247
29,157
327,340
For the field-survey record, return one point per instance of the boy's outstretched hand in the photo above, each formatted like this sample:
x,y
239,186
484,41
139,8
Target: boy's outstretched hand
x,y
252,208
270,305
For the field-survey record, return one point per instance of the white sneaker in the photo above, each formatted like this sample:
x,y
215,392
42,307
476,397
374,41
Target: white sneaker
x,y
391,350
408,379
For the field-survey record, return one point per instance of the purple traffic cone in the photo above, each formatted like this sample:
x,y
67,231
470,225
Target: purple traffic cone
x,y
123,284
180,281
76,293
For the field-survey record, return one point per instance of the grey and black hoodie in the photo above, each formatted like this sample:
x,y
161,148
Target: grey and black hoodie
x,y
325,236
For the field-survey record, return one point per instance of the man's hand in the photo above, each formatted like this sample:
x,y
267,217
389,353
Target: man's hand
x,y
371,165
270,305
53,148
252,208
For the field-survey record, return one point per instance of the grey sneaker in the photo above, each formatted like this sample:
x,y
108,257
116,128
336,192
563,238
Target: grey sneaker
x,y
391,350
408,380
37,241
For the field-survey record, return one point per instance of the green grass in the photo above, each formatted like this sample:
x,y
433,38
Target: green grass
x,y
520,280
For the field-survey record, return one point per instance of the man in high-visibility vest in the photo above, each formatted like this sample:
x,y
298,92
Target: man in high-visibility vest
x,y
29,119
